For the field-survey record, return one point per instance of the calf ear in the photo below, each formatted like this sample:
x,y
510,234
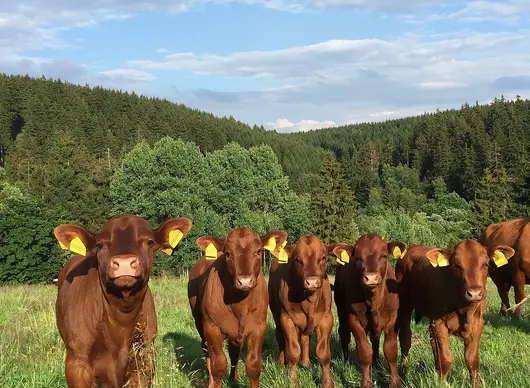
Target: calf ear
x,y
212,246
74,238
397,249
500,254
275,242
439,257
171,232
343,252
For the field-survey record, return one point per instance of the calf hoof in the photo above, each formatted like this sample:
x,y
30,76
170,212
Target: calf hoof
x,y
395,382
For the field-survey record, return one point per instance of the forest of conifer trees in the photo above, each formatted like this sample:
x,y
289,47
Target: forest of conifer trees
x,y
79,154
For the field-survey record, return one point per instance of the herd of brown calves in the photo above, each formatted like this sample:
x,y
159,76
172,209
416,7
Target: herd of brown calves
x,y
105,309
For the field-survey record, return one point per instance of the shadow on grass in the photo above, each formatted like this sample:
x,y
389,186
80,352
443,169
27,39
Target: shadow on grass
x,y
497,320
191,358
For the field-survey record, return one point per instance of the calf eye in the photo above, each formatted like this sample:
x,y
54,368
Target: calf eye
x,y
150,244
260,251
484,267
99,246
382,257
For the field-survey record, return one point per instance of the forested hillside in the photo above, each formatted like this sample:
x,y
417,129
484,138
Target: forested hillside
x,y
78,154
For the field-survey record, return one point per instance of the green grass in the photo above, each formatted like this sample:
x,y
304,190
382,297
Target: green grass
x,y
32,353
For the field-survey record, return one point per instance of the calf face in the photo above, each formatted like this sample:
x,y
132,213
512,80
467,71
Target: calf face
x,y
370,257
243,252
469,262
124,248
309,256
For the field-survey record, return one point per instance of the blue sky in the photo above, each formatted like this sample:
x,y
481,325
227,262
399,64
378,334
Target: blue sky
x,y
287,64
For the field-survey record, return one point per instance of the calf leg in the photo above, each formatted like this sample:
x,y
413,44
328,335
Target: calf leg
x,y
78,373
471,354
443,359
253,359
305,349
345,336
292,348
216,360
374,339
519,280
323,349
503,290
390,348
280,338
405,333
234,351
364,351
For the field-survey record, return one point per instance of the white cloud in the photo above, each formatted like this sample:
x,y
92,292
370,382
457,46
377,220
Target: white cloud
x,y
285,126
363,80
127,75
508,12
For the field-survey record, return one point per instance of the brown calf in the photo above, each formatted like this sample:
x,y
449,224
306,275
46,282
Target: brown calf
x,y
104,303
516,272
300,302
228,298
448,286
367,301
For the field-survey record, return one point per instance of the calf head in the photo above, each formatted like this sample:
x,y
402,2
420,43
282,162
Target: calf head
x,y
309,261
468,261
369,257
124,248
243,252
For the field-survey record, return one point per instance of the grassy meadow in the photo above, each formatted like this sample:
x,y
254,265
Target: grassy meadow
x,y
32,353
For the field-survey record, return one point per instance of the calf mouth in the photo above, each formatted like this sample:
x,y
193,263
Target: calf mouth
x,y
125,281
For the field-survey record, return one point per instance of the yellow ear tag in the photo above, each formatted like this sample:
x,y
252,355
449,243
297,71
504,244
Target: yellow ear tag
x,y
340,261
62,245
442,261
77,246
271,244
283,258
168,251
174,237
211,252
499,258
344,257
397,253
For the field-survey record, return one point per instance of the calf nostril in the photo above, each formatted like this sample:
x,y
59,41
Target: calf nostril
x,y
134,263
115,264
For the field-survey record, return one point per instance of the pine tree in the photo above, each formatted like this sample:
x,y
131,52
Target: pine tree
x,y
493,201
334,205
